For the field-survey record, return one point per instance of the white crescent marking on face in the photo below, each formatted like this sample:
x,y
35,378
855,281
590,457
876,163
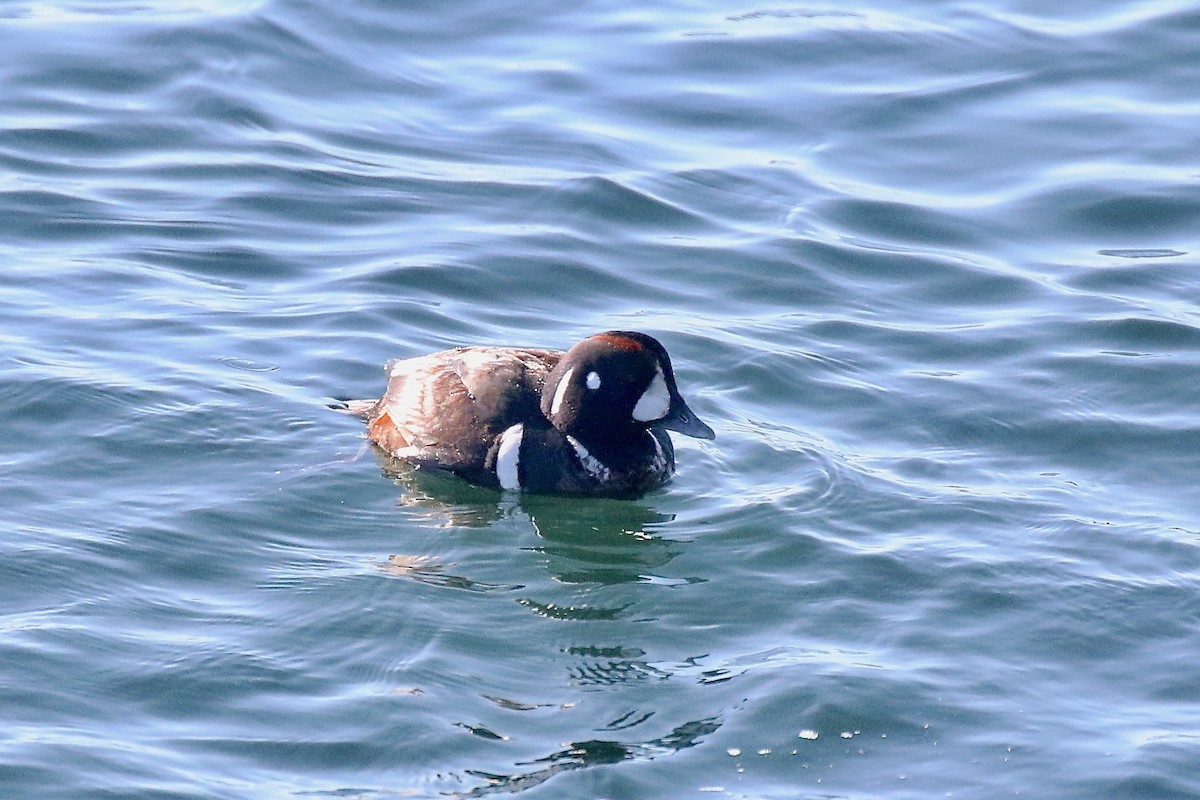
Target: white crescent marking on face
x,y
560,392
509,457
655,402
593,380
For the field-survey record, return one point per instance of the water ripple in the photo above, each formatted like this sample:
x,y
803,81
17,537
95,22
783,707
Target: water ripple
x,y
929,272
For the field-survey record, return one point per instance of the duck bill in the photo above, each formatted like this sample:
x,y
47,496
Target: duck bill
x,y
682,419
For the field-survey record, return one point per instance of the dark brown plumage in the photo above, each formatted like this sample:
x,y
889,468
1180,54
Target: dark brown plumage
x,y
592,420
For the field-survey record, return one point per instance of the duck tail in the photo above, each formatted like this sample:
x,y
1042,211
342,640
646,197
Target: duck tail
x,y
355,408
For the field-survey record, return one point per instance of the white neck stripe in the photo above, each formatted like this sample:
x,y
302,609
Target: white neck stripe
x,y
594,466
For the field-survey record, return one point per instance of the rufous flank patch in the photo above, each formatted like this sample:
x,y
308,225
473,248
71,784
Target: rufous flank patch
x,y
381,426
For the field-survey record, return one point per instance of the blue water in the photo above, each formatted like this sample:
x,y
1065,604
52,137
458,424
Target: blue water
x,y
929,269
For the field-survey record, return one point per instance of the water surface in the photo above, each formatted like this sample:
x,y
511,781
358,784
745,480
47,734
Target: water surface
x,y
928,269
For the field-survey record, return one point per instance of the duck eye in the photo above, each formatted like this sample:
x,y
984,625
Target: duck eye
x,y
593,380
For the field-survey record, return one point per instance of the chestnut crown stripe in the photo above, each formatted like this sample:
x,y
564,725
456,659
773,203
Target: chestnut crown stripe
x,y
619,341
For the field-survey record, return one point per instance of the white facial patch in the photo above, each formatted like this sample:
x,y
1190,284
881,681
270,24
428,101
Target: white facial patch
x,y
655,402
508,457
560,392
593,380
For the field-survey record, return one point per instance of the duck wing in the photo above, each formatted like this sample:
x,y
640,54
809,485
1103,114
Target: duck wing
x,y
446,409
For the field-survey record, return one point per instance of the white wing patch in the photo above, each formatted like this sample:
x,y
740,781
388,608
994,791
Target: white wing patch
x,y
655,402
560,392
508,457
590,463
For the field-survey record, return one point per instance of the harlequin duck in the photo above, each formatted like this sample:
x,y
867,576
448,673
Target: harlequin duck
x,y
592,420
